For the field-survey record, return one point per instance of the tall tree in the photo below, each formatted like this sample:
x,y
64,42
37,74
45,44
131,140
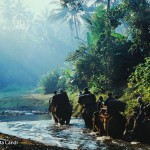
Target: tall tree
x,y
98,63
21,15
73,11
138,21
7,8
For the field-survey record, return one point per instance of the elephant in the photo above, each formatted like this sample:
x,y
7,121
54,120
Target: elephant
x,y
112,125
115,125
109,121
87,115
60,108
141,130
62,114
88,101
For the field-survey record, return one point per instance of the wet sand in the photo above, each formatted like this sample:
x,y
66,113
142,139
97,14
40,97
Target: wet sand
x,y
8,142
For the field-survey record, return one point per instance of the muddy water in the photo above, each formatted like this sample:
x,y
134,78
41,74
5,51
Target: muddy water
x,y
75,136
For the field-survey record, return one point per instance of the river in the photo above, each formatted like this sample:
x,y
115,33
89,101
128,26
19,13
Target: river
x,y
40,127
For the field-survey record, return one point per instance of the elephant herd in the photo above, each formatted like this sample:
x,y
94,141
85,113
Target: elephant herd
x,y
104,117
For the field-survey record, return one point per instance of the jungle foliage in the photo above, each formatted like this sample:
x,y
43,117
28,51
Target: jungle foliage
x,y
110,58
139,80
49,81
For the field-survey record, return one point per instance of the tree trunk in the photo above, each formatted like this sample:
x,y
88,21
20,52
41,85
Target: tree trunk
x,y
108,5
76,28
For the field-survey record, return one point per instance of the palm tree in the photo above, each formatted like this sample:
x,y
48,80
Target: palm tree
x,y
70,12
73,12
108,5
21,15
7,12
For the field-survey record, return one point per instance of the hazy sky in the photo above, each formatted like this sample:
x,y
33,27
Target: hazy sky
x,y
33,51
37,5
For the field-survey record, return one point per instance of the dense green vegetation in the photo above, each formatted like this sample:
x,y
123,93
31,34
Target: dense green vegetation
x,y
139,81
112,60
114,54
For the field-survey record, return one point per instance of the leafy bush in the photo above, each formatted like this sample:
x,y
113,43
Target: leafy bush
x,y
49,81
139,81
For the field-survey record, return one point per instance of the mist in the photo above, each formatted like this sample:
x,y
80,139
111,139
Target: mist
x,y
31,44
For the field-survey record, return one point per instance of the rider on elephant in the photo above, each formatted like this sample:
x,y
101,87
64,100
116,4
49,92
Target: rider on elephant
x,y
100,103
97,122
86,91
110,98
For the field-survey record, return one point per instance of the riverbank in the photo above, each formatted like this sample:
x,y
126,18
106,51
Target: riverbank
x,y
8,142
17,100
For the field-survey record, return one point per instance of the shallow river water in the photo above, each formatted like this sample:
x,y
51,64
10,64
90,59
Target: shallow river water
x,y
74,136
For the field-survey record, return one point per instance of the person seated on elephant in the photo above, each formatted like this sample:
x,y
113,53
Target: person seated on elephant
x,y
86,91
100,103
110,98
93,97
96,116
89,98
116,97
60,91
64,98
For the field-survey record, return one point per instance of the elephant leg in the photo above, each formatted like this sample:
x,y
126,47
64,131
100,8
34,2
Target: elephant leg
x,y
88,122
62,121
68,117
87,117
102,131
96,121
115,127
55,118
98,124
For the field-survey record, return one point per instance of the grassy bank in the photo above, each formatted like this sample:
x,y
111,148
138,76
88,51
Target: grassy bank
x,y
17,100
